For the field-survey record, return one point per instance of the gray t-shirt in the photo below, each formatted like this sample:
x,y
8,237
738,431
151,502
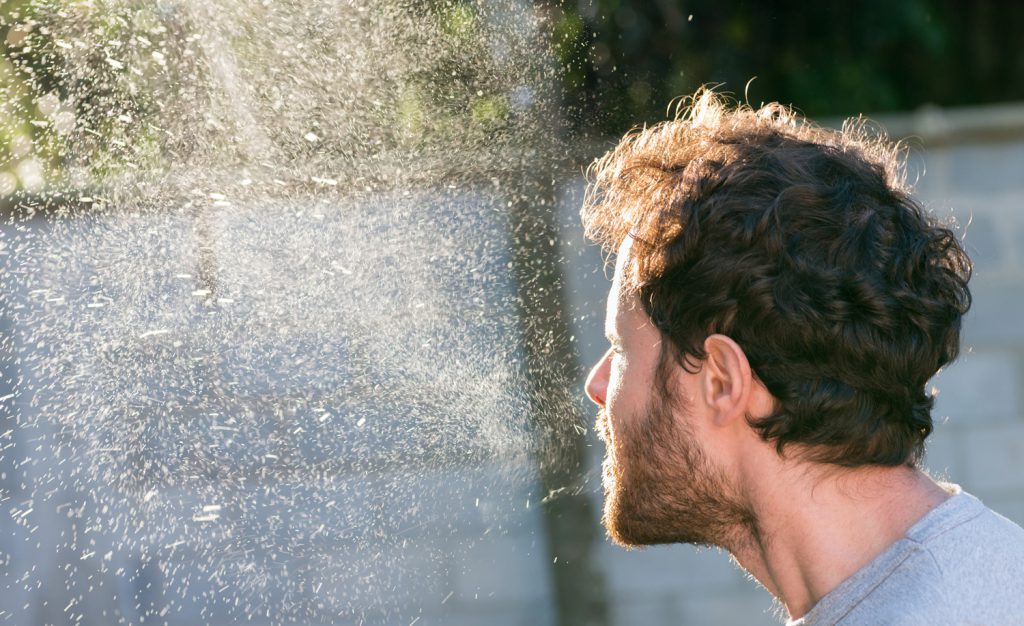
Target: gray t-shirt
x,y
962,563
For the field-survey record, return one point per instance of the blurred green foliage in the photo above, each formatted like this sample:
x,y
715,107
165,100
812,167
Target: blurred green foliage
x,y
95,92
90,86
626,59
76,101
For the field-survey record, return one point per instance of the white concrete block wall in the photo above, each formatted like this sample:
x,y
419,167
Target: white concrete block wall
x,y
994,456
979,436
478,557
982,384
682,585
508,570
696,569
944,453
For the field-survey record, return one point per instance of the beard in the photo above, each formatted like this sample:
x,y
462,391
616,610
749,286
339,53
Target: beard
x,y
659,486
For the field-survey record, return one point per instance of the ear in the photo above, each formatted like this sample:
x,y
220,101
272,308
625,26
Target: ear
x,y
727,381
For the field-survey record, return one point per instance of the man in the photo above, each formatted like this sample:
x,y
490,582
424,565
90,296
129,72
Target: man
x,y
778,305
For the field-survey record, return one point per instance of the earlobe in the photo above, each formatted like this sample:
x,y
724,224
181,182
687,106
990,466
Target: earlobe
x,y
727,379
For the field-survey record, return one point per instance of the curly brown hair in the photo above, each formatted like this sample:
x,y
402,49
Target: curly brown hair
x,y
802,244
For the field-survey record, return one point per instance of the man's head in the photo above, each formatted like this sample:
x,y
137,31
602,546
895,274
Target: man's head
x,y
791,250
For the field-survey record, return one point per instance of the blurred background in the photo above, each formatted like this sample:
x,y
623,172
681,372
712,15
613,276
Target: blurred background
x,y
136,132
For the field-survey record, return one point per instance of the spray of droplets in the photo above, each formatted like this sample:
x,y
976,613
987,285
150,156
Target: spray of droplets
x,y
261,337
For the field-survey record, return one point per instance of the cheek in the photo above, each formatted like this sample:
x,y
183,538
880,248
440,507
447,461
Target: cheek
x,y
627,390
616,377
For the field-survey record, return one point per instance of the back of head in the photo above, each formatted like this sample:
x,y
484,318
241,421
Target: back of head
x,y
805,246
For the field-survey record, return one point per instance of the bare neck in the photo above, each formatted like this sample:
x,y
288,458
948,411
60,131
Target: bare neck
x,y
816,529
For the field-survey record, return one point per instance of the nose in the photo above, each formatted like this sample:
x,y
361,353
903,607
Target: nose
x,y
597,381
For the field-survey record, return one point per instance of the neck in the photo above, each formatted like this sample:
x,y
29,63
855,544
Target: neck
x,y
815,528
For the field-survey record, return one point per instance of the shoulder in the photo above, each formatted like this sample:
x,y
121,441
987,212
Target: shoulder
x,y
967,536
968,567
929,589
963,564
981,565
